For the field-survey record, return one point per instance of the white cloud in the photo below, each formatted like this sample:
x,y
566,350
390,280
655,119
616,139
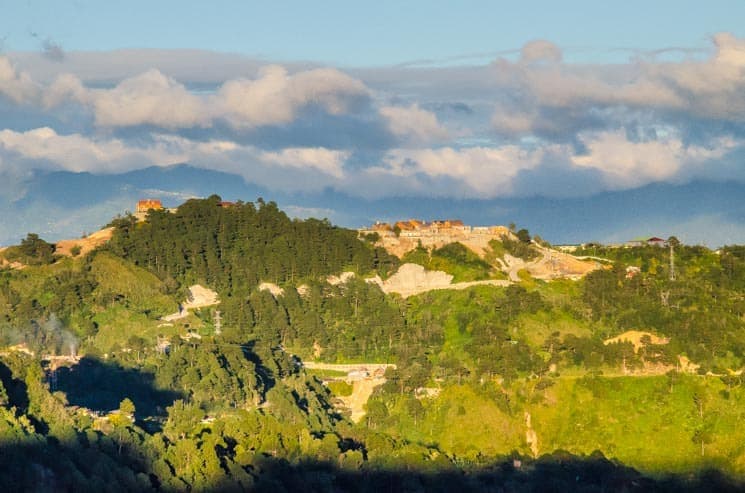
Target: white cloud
x,y
540,50
413,123
325,160
148,99
275,96
627,164
18,86
66,87
44,148
532,103
292,168
486,171
730,50
713,88
497,171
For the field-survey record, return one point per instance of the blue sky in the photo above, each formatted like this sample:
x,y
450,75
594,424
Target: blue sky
x,y
370,33
467,100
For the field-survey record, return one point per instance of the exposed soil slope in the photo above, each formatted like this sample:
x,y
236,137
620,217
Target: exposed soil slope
x,y
90,242
199,297
411,279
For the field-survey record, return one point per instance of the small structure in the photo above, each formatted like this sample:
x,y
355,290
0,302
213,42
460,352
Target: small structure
x,y
148,204
655,241
163,345
646,240
379,226
632,271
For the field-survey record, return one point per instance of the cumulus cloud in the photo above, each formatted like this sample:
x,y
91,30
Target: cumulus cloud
x,y
15,85
540,50
275,97
289,168
45,148
325,160
148,99
414,123
67,87
479,131
628,164
485,171
713,88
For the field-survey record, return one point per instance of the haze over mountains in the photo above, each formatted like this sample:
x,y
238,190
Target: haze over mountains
x,y
64,204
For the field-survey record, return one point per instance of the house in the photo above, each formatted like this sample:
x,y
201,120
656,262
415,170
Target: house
x,y
148,204
379,227
654,241
646,240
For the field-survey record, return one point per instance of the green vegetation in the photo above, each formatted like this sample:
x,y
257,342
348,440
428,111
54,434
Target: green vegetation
x,y
517,248
233,249
340,388
32,251
454,259
510,388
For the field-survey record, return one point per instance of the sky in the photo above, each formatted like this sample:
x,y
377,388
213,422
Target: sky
x,y
456,100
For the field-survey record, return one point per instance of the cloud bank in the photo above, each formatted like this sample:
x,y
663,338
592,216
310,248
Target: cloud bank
x,y
528,123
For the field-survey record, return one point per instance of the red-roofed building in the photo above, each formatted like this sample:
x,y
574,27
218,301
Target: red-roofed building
x,y
148,204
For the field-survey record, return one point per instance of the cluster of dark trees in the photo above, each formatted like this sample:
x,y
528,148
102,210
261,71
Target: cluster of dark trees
x,y
234,248
32,251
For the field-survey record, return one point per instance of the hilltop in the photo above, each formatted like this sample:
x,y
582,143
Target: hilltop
x,y
505,248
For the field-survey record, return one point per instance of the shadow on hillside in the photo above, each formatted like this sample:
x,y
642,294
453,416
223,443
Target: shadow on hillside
x,y
101,386
14,387
93,465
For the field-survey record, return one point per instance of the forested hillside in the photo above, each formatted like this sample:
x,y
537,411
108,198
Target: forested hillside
x,y
234,247
517,388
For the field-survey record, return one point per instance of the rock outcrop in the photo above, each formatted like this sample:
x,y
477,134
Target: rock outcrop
x,y
411,279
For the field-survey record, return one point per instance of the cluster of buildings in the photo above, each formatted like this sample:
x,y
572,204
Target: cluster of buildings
x,y
148,204
414,228
636,242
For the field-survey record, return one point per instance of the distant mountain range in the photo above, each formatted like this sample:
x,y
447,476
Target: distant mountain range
x,y
65,204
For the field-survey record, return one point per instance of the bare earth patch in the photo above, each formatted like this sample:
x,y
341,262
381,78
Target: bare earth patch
x,y
635,337
87,244
364,378
411,279
199,297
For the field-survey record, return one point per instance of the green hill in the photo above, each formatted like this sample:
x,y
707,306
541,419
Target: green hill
x,y
494,388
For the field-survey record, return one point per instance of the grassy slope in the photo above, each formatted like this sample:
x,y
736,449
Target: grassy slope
x,y
144,302
454,259
636,420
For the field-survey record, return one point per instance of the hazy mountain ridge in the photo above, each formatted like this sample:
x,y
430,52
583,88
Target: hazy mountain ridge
x,y
63,204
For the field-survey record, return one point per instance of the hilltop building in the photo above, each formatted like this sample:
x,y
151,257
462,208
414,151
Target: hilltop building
x,y
148,204
644,241
434,232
